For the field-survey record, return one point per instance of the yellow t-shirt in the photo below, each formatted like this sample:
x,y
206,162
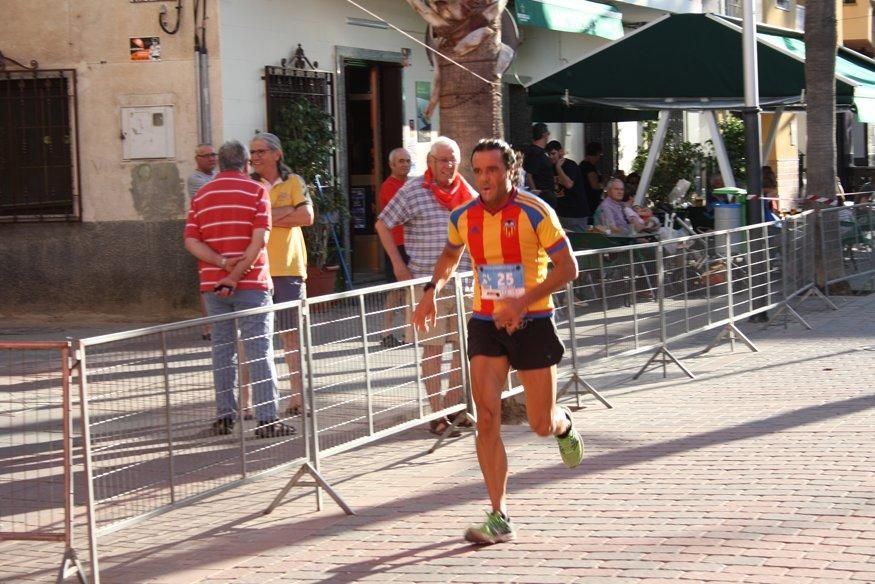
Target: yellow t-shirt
x,y
286,251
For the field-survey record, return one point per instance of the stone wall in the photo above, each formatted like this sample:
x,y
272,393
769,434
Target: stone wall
x,y
126,268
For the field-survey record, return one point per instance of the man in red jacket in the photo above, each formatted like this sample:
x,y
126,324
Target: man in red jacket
x,y
399,165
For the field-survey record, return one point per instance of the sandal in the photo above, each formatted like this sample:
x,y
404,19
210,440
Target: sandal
x,y
293,410
439,426
247,414
464,422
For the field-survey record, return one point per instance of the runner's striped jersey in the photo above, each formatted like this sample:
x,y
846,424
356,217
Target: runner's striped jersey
x,y
223,214
519,237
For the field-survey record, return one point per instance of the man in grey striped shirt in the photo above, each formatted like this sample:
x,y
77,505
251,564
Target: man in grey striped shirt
x,y
423,207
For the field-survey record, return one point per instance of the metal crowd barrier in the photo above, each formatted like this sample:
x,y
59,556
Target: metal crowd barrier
x,y
36,423
638,298
148,401
847,232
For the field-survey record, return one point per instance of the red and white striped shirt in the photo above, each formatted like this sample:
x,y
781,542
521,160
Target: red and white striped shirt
x,y
223,214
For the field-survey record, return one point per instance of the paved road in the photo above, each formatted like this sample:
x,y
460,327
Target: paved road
x,y
760,470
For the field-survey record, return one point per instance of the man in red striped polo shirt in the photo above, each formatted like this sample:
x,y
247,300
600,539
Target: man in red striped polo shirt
x,y
226,230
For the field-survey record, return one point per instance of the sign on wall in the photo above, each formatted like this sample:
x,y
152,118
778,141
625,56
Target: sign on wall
x,y
145,48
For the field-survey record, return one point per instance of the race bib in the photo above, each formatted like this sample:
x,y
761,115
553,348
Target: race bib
x,y
499,281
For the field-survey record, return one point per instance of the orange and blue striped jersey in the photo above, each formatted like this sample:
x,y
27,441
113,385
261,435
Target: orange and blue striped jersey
x,y
523,233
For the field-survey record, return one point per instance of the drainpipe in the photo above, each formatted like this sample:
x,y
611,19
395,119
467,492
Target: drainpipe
x,y
202,72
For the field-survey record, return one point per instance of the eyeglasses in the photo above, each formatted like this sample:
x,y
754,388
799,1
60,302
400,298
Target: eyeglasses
x,y
260,152
210,155
447,161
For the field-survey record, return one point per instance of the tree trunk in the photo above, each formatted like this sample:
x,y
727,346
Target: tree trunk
x,y
469,90
820,96
470,109
820,111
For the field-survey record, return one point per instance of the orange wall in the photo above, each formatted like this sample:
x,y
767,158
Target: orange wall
x,y
856,21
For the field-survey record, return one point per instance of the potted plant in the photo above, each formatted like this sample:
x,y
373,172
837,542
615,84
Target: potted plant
x,y
677,160
306,133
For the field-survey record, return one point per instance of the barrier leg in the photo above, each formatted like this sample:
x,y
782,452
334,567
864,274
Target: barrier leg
x,y
785,307
587,388
576,379
815,291
666,357
311,426
71,565
731,332
318,481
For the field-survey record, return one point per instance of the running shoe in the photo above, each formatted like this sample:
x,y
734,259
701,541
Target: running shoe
x,y
571,446
496,529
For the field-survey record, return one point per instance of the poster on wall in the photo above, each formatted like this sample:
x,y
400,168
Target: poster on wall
x,y
358,207
423,124
145,48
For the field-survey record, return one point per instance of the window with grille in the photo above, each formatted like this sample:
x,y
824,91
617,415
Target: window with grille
x,y
284,84
38,159
734,8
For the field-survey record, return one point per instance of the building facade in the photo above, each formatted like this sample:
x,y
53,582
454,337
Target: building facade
x,y
92,219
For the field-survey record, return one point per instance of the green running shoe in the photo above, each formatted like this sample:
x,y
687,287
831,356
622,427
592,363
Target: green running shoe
x,y
570,447
496,529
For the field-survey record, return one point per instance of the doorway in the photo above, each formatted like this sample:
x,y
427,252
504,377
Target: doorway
x,y
373,106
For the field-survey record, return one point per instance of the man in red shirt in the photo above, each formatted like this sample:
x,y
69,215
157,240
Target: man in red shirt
x,y
399,164
226,230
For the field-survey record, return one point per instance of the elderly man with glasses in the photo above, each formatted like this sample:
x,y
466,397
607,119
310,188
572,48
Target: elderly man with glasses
x,y
205,158
423,207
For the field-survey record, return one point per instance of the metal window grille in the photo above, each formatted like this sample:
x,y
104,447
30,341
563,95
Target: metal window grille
x,y
286,83
38,139
733,8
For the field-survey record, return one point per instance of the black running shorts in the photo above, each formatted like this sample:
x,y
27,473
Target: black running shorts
x,y
535,346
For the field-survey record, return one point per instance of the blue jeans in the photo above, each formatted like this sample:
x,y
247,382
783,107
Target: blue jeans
x,y
256,332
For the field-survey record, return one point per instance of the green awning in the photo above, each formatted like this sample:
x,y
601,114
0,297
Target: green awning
x,y
694,62
581,16
855,73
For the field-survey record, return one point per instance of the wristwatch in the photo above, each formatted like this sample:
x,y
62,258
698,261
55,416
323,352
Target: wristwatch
x,y
428,286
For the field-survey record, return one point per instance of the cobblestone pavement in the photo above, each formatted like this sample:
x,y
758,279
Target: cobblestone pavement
x,y
761,470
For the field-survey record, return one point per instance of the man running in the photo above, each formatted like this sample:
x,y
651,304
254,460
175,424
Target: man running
x,y
511,236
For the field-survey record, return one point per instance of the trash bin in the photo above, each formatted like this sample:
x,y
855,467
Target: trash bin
x,y
729,216
732,195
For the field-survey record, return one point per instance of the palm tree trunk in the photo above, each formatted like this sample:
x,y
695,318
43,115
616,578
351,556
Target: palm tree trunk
x,y
469,90
820,57
470,109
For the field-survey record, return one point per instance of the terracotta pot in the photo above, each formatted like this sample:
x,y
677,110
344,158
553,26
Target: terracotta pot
x,y
321,281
